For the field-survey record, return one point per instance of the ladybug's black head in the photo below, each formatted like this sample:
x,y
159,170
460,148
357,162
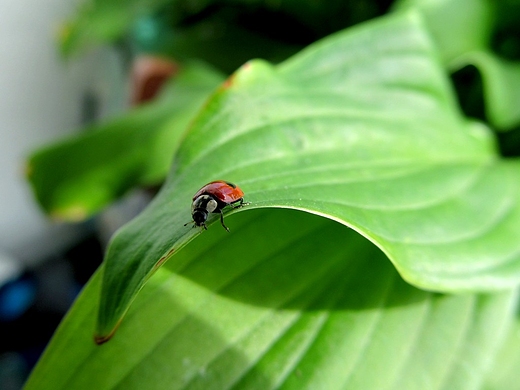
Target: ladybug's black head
x,y
201,207
199,217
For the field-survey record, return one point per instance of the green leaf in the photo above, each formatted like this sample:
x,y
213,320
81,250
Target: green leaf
x,y
276,305
464,31
501,82
360,128
76,178
458,27
504,373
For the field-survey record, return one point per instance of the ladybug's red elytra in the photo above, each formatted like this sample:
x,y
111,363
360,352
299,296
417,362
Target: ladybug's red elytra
x,y
212,198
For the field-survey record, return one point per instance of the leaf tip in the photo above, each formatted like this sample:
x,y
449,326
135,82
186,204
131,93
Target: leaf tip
x,y
228,83
64,32
28,169
100,339
253,71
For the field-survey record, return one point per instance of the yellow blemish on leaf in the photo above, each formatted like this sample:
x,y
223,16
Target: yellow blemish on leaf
x,y
70,214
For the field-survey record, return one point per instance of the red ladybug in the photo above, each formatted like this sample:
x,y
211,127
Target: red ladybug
x,y
212,198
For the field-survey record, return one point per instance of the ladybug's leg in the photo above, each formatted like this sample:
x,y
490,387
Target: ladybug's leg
x,y
222,220
241,204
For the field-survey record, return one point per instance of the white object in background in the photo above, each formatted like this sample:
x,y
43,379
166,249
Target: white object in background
x,y
41,99
9,269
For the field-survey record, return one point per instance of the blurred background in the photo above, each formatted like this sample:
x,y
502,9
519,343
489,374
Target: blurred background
x,y
43,264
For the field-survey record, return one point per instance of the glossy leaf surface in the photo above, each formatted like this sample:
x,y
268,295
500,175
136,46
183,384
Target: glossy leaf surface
x,y
361,128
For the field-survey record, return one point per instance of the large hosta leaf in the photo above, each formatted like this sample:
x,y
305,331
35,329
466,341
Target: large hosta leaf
x,y
76,178
277,305
361,128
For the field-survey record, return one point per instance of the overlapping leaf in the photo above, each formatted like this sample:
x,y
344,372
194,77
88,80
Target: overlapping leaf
x,y
464,31
501,81
272,306
458,27
361,128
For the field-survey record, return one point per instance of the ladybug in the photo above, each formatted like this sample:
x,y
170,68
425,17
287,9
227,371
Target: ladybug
x,y
212,198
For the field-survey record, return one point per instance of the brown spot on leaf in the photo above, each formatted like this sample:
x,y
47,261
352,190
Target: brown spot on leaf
x,y
228,83
163,259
